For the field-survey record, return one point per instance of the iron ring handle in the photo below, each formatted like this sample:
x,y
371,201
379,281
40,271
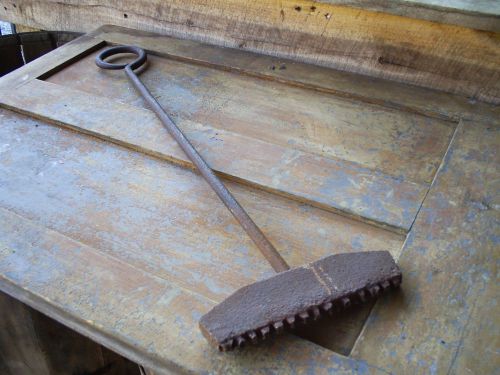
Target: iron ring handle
x,y
111,51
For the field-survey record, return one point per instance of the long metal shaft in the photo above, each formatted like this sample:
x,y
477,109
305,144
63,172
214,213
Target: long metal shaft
x,y
253,231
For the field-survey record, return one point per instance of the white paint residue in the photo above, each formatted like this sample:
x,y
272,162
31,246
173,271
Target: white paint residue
x,y
353,183
4,147
389,194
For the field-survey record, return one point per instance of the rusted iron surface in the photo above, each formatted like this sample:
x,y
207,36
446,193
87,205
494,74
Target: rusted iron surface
x,y
141,316
297,296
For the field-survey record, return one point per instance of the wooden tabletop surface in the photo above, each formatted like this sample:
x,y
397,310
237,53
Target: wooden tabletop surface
x,y
105,227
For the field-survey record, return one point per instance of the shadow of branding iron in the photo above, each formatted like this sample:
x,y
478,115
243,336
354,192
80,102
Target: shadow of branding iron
x,y
291,297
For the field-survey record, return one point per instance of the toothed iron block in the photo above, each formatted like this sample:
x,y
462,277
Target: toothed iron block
x,y
297,296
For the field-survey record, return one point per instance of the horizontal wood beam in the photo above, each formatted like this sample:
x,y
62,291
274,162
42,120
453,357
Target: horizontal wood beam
x,y
440,56
482,15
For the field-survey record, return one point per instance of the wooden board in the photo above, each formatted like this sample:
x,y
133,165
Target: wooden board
x,y
106,228
128,309
274,112
428,54
362,88
479,14
446,320
482,15
359,191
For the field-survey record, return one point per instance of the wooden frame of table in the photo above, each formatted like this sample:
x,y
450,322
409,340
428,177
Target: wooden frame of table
x,y
83,170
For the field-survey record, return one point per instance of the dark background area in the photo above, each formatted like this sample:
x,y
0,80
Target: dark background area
x,y
21,48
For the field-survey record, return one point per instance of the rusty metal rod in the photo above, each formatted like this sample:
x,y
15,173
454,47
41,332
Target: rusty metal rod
x,y
253,231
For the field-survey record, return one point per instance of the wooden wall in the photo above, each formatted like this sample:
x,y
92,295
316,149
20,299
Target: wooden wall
x,y
441,56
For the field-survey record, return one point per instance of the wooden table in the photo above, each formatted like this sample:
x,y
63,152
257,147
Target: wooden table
x,y
105,227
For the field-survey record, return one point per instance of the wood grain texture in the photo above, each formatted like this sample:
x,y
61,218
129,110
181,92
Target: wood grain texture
x,y
57,59
394,142
279,119
423,53
272,122
335,185
446,319
96,235
476,14
106,226
162,218
133,305
344,84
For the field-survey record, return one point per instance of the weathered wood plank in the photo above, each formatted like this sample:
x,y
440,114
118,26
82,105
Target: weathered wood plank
x,y
446,319
141,316
363,88
423,53
394,142
164,219
478,14
119,203
335,185
482,15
